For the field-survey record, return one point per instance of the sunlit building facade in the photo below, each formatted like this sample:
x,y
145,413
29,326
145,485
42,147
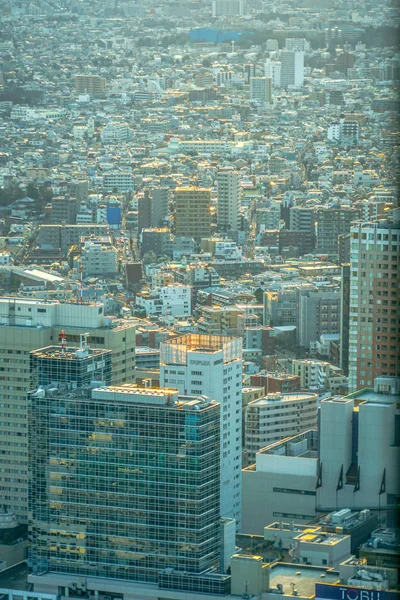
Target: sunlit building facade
x,y
124,482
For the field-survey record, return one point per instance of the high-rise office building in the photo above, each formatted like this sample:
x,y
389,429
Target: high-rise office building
x,y
160,205
125,484
249,71
281,307
302,218
212,365
145,210
318,314
344,318
292,68
30,324
343,248
374,344
261,89
192,212
273,69
158,240
75,367
228,184
332,222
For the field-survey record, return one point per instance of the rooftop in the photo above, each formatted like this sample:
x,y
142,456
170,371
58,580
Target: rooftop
x,y
320,538
128,393
174,351
304,445
303,578
144,395
57,352
274,398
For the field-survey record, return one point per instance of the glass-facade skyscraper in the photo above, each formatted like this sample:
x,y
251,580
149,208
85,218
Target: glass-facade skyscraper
x,y
125,482
75,367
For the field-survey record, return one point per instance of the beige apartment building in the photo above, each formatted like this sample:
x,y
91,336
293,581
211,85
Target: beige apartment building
x,y
94,85
27,325
192,212
219,320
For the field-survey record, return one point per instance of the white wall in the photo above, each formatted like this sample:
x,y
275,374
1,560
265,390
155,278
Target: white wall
x,y
206,373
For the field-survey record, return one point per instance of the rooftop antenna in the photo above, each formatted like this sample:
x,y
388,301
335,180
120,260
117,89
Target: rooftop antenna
x,y
62,337
83,341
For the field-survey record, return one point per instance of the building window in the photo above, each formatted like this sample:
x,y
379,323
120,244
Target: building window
x,y
290,491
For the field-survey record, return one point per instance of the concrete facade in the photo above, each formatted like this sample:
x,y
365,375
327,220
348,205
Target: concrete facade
x,y
213,364
28,325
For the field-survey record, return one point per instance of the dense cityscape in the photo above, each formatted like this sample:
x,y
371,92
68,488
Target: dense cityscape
x,y
199,299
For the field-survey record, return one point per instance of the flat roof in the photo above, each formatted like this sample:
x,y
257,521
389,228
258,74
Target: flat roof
x,y
69,353
371,396
43,275
304,578
283,398
319,537
146,350
43,302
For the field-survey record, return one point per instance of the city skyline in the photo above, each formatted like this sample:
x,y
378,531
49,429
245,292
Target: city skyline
x,y
199,307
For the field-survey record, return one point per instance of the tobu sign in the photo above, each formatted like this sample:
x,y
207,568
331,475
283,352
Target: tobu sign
x,y
324,591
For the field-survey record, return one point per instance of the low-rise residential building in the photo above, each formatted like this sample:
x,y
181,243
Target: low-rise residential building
x,y
172,300
312,373
99,258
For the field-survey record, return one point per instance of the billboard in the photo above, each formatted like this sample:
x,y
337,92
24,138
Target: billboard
x,y
345,592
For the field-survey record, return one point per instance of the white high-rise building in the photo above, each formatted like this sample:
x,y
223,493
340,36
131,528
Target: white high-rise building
x,y
222,8
212,365
272,69
292,68
228,183
297,44
343,132
261,89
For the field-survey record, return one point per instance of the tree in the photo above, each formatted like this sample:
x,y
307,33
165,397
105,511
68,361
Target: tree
x,y
9,194
32,191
